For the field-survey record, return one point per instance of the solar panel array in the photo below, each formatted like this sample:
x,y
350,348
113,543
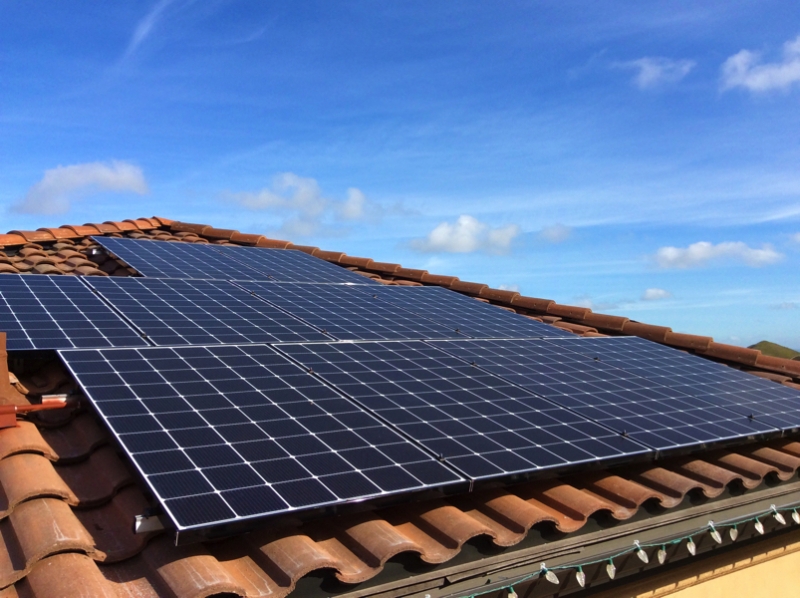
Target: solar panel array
x,y
479,423
273,383
163,259
199,312
348,312
225,433
361,312
54,312
651,410
466,315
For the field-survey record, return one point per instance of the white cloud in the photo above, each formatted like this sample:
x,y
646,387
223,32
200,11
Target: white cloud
x,y
744,69
795,238
655,295
656,71
59,185
509,287
308,210
467,235
699,254
557,233
146,25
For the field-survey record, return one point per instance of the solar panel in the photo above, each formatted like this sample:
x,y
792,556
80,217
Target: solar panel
x,y
199,312
476,421
54,312
348,312
468,316
224,433
162,259
661,413
291,265
705,380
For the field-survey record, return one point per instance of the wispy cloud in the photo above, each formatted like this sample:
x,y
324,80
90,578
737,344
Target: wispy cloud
x,y
467,235
654,72
655,294
307,210
557,233
795,238
53,193
509,287
146,26
744,69
703,252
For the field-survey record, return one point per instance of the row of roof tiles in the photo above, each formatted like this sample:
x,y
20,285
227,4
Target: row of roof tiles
x,y
65,254
68,502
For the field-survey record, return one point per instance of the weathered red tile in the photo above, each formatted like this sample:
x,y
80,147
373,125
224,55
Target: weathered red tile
x,y
568,311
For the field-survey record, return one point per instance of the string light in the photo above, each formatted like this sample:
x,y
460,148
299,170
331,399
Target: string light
x,y
641,553
580,577
713,529
777,515
759,526
662,554
548,575
734,533
611,569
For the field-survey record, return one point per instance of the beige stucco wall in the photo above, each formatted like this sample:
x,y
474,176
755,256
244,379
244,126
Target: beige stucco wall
x,y
771,575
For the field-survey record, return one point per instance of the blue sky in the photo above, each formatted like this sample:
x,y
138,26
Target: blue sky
x,y
638,158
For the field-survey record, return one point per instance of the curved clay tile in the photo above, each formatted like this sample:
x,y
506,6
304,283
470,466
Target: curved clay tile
x,y
29,475
111,525
96,479
77,440
24,438
69,574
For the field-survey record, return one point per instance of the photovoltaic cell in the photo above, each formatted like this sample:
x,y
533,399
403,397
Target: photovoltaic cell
x,y
701,379
226,433
291,265
199,312
476,421
468,316
54,312
348,312
582,375
162,259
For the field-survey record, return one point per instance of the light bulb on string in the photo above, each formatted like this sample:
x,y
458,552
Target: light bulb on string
x,y
611,569
759,526
691,546
548,575
512,593
796,516
641,553
778,515
662,554
580,577
733,533
714,533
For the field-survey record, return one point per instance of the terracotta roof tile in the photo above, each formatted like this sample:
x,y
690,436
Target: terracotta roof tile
x,y
568,311
469,288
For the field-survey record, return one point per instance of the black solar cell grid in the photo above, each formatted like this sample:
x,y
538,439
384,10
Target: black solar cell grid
x,y
223,433
659,412
53,312
290,265
348,312
468,316
478,422
701,379
162,259
199,312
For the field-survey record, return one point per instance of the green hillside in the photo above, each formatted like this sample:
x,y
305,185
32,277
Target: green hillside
x,y
775,350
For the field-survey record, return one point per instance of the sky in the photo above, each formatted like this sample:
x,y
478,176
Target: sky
x,y
637,158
